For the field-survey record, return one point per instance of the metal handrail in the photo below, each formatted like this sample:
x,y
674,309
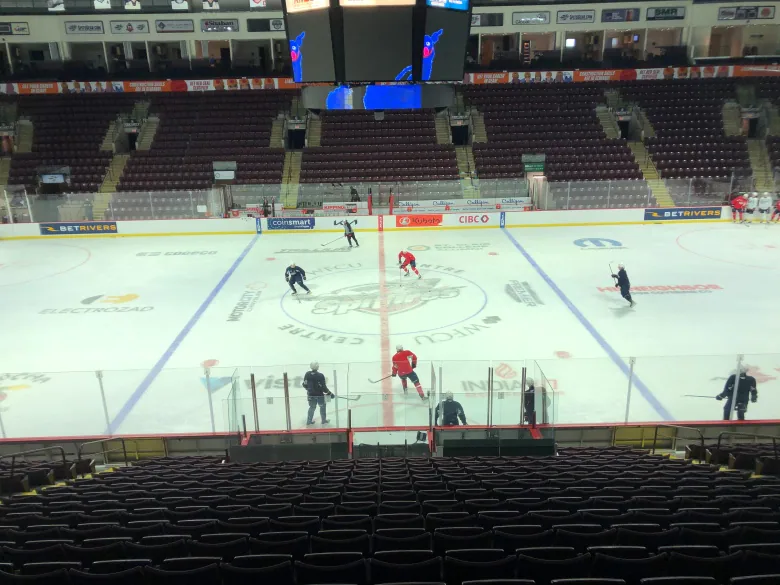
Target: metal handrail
x,y
13,456
80,448
655,434
754,435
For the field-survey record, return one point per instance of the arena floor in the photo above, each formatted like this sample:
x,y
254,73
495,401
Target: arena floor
x,y
149,313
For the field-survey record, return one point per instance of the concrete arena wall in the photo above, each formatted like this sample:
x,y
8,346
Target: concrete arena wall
x,y
247,226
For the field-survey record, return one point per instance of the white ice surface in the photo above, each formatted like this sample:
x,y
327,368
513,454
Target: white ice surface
x,y
460,319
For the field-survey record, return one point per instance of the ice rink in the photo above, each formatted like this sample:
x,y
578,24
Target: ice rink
x,y
151,314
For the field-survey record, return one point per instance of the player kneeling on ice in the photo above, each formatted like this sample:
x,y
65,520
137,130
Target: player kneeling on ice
x,y
407,259
296,275
404,362
746,388
452,411
349,233
621,281
314,382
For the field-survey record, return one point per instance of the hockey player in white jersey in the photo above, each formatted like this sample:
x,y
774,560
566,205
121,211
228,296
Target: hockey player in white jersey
x,y
751,207
765,206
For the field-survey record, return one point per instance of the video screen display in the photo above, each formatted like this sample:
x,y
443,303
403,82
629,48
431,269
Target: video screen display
x,y
378,44
375,97
451,4
293,6
311,46
444,47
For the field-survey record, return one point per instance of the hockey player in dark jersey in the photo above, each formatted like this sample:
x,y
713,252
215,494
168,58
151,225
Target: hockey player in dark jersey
x,y
314,382
622,282
296,275
453,412
349,233
746,389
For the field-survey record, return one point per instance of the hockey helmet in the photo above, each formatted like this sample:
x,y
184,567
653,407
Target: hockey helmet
x,y
621,266
314,366
529,382
448,396
399,347
292,265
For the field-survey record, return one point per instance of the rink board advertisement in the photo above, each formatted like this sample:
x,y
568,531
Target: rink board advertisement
x,y
291,223
79,228
683,213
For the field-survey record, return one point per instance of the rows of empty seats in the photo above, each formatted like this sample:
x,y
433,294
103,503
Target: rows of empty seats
x,y
356,147
197,129
687,117
378,163
598,195
67,131
557,120
588,513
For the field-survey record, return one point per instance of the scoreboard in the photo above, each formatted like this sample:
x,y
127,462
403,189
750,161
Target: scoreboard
x,y
368,41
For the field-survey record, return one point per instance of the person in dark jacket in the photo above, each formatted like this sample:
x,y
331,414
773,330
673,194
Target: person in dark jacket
x,y
746,388
314,382
622,282
452,410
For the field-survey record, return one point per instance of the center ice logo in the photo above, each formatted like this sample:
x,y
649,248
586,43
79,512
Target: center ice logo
x,y
297,58
365,298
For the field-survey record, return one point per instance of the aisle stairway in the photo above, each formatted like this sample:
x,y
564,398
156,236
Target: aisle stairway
x,y
277,133
291,176
645,125
443,135
108,140
314,134
101,205
761,165
773,116
111,180
608,122
478,130
654,181
732,119
5,169
147,134
24,138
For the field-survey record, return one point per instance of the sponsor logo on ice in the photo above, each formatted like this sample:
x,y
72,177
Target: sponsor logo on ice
x,y
10,384
665,289
523,292
124,303
246,303
598,244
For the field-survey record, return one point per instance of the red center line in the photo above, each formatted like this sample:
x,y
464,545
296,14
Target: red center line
x,y
388,418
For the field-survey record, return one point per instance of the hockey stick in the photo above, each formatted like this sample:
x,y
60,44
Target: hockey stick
x,y
350,398
698,396
329,243
380,379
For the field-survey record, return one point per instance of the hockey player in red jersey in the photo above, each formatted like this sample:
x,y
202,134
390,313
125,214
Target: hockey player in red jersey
x,y
404,362
776,212
738,205
407,259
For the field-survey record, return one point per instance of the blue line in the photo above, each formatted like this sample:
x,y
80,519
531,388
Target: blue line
x,y
643,389
155,371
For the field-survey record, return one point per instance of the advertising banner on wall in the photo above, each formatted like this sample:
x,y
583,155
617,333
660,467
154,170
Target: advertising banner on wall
x,y
101,4
746,13
180,5
576,16
666,13
84,27
174,26
14,28
621,15
132,4
526,18
129,27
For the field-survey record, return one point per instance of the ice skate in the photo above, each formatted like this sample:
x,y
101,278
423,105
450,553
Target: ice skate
x,y
419,276
326,421
632,304
295,292
406,273
309,423
308,292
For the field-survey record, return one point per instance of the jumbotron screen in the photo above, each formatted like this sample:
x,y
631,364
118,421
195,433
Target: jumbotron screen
x,y
311,46
444,47
378,42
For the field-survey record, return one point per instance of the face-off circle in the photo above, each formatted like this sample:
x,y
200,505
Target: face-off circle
x,y
437,301
20,265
